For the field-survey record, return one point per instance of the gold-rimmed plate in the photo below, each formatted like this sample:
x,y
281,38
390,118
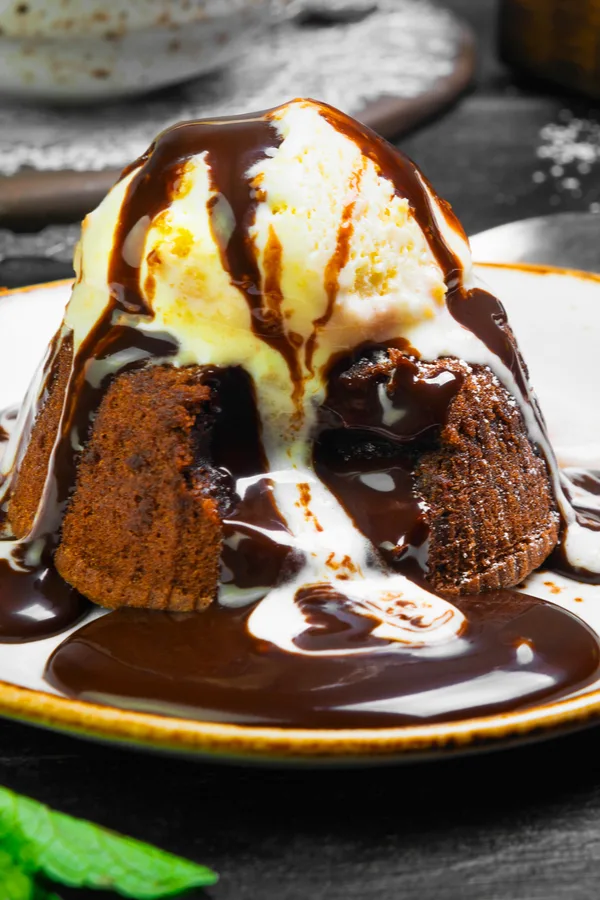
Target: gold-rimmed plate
x,y
556,316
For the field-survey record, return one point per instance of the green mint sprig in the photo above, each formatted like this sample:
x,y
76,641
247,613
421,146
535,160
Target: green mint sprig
x,y
17,885
35,840
14,884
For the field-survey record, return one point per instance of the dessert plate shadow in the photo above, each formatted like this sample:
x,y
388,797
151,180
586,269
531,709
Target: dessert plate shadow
x,y
553,312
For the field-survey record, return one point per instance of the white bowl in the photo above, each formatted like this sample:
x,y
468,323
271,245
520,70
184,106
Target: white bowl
x,y
80,50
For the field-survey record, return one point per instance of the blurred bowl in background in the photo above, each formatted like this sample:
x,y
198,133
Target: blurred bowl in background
x,y
85,50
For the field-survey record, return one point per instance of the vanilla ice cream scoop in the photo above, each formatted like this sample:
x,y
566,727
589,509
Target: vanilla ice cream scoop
x,y
276,245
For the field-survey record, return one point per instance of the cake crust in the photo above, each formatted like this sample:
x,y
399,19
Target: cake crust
x,y
493,517
33,470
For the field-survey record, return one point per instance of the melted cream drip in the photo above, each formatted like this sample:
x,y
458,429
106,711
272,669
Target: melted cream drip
x,y
337,554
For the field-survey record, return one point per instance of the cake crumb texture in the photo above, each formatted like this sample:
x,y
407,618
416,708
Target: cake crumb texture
x,y
141,529
492,513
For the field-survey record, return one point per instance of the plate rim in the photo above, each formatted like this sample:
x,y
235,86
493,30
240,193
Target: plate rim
x,y
533,269
28,288
272,744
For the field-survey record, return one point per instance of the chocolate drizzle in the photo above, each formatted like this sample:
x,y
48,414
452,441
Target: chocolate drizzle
x,y
233,146
379,416
335,265
252,557
587,500
583,491
516,651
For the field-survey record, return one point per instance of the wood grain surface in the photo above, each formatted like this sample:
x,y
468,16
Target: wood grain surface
x,y
518,825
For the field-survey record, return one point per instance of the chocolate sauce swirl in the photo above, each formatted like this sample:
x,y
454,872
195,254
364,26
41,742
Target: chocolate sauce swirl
x,y
379,416
517,651
232,147
252,559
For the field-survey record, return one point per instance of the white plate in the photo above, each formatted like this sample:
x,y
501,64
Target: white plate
x,y
556,317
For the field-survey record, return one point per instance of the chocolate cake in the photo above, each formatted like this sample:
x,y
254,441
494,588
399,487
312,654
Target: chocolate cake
x,y
485,492
143,528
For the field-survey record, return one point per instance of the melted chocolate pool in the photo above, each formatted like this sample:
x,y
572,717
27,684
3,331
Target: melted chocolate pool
x,y
516,650
36,604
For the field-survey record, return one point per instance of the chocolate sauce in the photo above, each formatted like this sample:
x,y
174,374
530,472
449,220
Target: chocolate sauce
x,y
516,651
232,147
393,398
587,503
36,604
378,418
251,556
380,499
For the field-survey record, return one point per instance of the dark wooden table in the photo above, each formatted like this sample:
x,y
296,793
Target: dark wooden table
x,y
482,155
517,825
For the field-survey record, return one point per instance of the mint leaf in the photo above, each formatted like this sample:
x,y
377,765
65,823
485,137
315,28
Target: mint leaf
x,y
14,884
18,885
78,854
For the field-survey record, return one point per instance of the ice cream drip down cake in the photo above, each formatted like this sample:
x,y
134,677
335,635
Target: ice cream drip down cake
x,y
290,442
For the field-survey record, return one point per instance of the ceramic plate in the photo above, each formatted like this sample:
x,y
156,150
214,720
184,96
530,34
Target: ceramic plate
x,y
556,316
